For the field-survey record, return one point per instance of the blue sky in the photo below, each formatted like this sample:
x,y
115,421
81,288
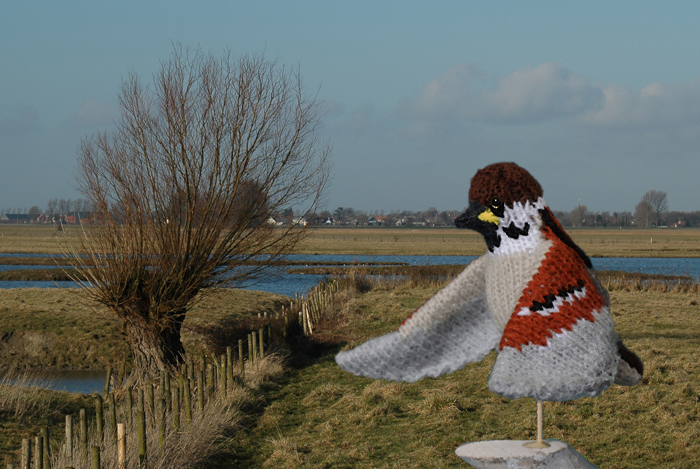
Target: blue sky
x,y
600,101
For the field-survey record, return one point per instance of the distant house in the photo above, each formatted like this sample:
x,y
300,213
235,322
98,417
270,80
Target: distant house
x,y
299,221
679,224
15,218
371,221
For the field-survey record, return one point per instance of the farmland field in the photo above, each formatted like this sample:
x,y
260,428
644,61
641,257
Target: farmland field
x,y
408,241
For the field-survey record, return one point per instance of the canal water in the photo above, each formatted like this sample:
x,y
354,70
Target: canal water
x,y
289,284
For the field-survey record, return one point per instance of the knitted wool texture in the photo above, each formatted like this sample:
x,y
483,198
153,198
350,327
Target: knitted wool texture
x,y
451,329
534,299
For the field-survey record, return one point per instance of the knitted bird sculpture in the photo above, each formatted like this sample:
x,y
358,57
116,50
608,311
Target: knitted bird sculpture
x,y
533,297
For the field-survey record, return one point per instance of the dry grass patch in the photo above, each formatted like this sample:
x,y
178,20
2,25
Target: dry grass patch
x,y
606,242
55,329
453,242
330,418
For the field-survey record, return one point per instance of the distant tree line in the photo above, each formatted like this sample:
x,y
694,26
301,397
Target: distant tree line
x,y
56,210
651,211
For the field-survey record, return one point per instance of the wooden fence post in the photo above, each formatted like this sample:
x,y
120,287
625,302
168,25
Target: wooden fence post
x,y
99,419
113,416
176,409
121,445
250,350
95,457
286,324
47,447
151,404
141,424
254,336
241,363
262,343
200,390
166,391
210,380
107,380
129,405
69,440
229,365
122,374
26,461
38,452
161,426
83,429
223,381
188,402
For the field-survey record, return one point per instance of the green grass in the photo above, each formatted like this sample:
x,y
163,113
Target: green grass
x,y
325,417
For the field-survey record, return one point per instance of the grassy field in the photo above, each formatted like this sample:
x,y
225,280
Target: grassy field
x,y
408,241
319,416
451,241
54,328
324,417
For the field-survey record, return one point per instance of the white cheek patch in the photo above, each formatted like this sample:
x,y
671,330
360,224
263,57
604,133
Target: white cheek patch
x,y
524,223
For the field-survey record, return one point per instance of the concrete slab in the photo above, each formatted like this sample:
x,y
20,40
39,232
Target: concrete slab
x,y
511,454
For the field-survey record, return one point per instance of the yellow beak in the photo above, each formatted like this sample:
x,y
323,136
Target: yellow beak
x,y
488,216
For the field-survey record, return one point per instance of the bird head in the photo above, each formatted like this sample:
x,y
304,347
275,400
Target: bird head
x,y
504,200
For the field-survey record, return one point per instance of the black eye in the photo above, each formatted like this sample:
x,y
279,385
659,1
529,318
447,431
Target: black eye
x,y
497,207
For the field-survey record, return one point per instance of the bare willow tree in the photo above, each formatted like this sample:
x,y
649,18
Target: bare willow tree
x,y
183,187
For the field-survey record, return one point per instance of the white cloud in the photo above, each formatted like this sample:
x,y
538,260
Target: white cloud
x,y
93,113
544,92
549,92
25,121
655,105
527,95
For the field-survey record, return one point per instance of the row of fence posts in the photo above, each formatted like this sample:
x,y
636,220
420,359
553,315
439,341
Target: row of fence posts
x,y
211,381
311,307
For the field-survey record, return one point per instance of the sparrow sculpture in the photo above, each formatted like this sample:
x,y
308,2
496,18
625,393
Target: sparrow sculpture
x,y
534,297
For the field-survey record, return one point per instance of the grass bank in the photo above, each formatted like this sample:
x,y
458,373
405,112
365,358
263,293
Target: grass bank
x,y
44,329
55,329
325,417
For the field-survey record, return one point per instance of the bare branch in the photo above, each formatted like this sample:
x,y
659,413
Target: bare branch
x,y
183,188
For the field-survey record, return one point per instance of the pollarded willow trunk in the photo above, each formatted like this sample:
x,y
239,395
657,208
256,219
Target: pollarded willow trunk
x,y
155,346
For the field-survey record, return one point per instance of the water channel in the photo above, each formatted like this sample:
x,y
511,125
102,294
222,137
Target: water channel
x,y
289,284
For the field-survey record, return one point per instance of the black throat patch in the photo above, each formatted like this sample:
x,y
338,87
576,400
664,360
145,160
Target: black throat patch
x,y
514,232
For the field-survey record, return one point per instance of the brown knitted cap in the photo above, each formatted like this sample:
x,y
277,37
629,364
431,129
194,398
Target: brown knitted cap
x,y
507,181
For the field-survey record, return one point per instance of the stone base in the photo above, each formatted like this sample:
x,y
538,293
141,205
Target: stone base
x,y
509,454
